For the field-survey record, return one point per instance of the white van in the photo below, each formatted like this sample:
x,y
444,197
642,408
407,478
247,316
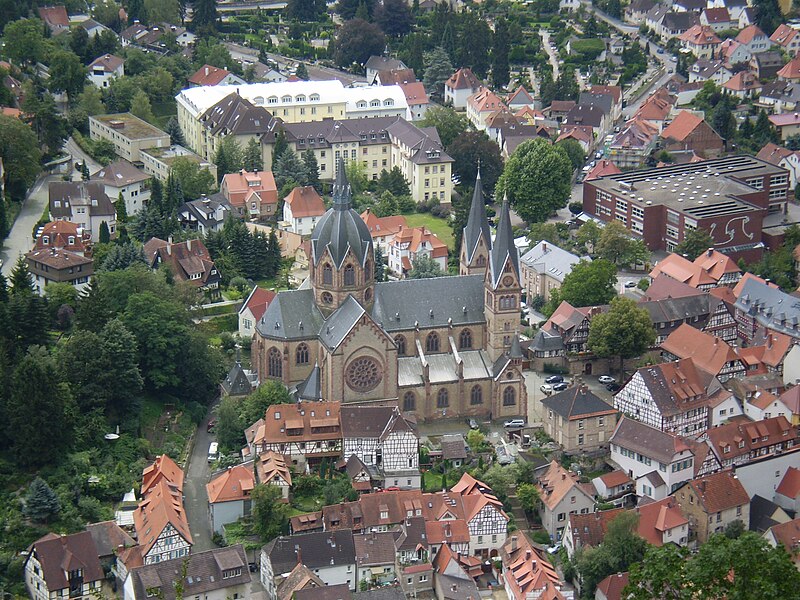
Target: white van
x,y
213,451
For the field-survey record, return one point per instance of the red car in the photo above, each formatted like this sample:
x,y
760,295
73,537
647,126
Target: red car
x,y
211,425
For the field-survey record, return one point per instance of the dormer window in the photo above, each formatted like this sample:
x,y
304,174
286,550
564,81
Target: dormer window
x,y
46,240
277,415
384,514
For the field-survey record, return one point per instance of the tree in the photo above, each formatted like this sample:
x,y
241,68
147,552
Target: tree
x,y
694,243
21,156
574,151
140,106
173,128
588,235
304,10
424,267
229,157
256,404
122,256
302,72
449,124
625,331
289,168
768,14
25,42
438,69
41,503
280,147
763,131
475,439
470,148
347,9
312,169
118,373
67,74
380,264
723,121
90,100
500,50
162,11
589,284
528,497
356,41
229,429
270,514
537,180
105,234
205,14
617,245
392,181
195,181
252,156
394,17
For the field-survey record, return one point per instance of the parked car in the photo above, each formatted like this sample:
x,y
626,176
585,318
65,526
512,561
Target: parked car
x,y
613,387
514,424
630,284
554,548
554,379
546,388
560,387
606,379
598,155
473,424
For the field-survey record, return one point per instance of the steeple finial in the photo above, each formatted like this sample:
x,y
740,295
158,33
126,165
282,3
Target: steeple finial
x,y
341,188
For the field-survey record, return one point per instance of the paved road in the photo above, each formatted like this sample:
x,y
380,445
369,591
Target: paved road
x,y
79,155
194,489
550,52
20,239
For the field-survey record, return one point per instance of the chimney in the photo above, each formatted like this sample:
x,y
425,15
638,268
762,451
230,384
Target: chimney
x,y
169,245
709,252
189,244
513,543
563,476
206,70
544,246
528,554
769,341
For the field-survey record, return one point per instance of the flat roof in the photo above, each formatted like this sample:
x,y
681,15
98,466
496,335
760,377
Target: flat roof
x,y
168,154
132,128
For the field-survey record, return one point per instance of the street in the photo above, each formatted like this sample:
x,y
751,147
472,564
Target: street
x,y
194,489
550,52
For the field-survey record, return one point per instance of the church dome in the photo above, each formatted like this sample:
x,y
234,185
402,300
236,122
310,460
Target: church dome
x,y
341,228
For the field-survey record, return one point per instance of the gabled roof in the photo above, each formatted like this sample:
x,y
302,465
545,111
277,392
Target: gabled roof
x,y
708,352
162,468
749,33
681,269
788,535
300,578
525,570
648,441
415,93
485,100
744,81
773,154
718,491
305,202
783,35
753,438
120,173
108,62
602,168
374,549
791,70
208,75
556,483
590,529
162,506
700,35
548,259
683,125
416,238
675,386
59,554
317,550
234,115
520,96
230,485
55,17
257,302
716,264
612,586
717,15
657,517
666,287
108,537
372,421
578,402
463,79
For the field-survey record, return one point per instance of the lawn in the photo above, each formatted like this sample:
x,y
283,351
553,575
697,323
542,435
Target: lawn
x,y
162,111
439,227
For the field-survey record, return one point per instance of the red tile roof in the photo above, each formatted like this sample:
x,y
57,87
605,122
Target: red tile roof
x,y
235,483
783,35
788,535
524,568
208,75
109,62
415,93
60,554
773,154
717,15
749,33
258,301
682,126
611,587
305,202
718,492
716,264
57,234
790,70
590,529
612,90
743,81
162,468
677,267
602,168
790,484
708,352
615,479
485,100
657,517
700,35
383,226
415,237
463,79
54,16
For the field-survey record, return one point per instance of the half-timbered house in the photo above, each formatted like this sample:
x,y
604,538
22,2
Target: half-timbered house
x,y
737,444
708,352
671,397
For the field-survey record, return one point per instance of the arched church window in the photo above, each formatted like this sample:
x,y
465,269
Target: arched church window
x,y
275,363
442,399
367,295
301,354
349,275
465,340
509,396
327,274
400,342
432,342
481,262
476,395
409,401
368,271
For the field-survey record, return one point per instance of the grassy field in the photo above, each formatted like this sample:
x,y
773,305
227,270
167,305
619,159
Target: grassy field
x,y
439,227
162,111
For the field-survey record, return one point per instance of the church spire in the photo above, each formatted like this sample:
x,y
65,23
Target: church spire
x,y
341,188
477,227
503,249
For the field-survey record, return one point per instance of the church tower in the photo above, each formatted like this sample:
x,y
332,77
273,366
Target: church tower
x,y
342,254
502,284
476,241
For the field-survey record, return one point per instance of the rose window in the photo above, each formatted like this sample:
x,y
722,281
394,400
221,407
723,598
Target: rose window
x,y
363,374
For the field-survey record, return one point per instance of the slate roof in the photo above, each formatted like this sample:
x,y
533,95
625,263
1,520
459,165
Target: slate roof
x,y
585,114
234,115
602,100
545,340
680,21
292,314
423,144
373,549
668,310
453,447
477,223
108,537
79,193
341,322
205,209
648,441
300,578
339,591
548,259
58,554
204,573
503,248
578,402
311,387
770,306
761,513
371,421
319,549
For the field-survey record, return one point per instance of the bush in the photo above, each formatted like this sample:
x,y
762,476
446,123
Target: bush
x,y
541,537
555,369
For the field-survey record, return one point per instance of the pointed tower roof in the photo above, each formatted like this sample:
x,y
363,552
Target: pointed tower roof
x,y
516,349
342,193
477,224
311,387
503,248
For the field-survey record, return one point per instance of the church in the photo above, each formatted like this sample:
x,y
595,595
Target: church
x,y
444,347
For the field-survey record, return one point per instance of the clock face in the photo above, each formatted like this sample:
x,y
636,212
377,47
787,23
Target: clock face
x,y
363,374
508,281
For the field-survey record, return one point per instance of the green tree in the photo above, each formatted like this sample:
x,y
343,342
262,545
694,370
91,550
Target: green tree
x,y
500,50
19,149
229,429
475,439
304,10
438,69
589,234
270,514
90,100
289,168
194,180
25,42
625,331
356,41
280,147
574,151
256,404
380,264
394,17
768,14
119,373
59,295
41,503
528,497
67,74
470,149
173,128
694,243
229,157
312,169
162,11
105,234
618,246
347,8
252,160
723,121
589,283
449,124
302,72
205,13
537,180
763,131
140,106
424,267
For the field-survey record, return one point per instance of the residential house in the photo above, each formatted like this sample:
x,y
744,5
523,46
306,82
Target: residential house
x,y
239,381
454,449
558,110
787,494
253,308
677,23
588,530
718,19
688,131
383,437
64,236
791,399
636,11
217,574
711,269
710,69
271,469
205,214
412,243
759,304
763,405
701,41
654,18
416,98
460,86
301,210
105,68
544,268
613,485
670,397
305,432
210,75
448,536
229,496
483,512
790,71
615,92
735,53
787,38
755,39
765,513
762,476
561,495
480,105
709,353
93,28
786,535
578,420
188,261
640,450
158,162
56,265
383,229
64,566
84,203
377,64
110,541
782,157
657,108
300,579
612,587
232,116
122,180
251,194
55,17
711,503
667,314
375,557
780,96
601,169
765,65
583,134
331,556
453,575
633,144
739,443
527,573
128,133
591,115
520,99
743,85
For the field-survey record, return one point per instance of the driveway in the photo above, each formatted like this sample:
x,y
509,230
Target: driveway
x,y
20,239
194,488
